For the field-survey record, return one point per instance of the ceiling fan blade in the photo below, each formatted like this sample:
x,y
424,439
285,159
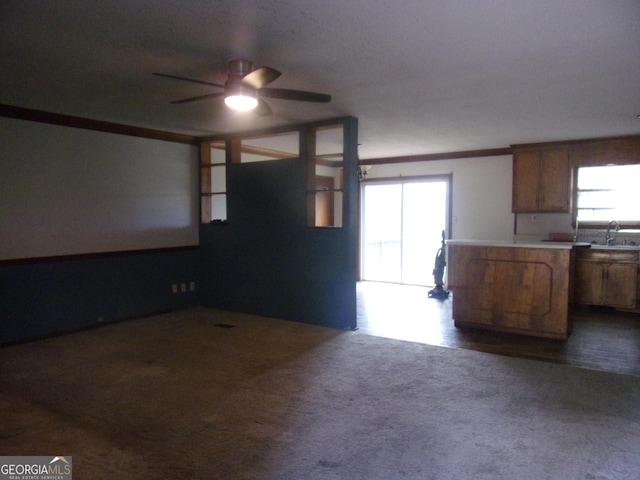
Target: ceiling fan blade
x,y
260,77
202,82
263,109
199,97
299,95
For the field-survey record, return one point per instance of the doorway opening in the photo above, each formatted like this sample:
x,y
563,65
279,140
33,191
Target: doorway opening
x,y
402,225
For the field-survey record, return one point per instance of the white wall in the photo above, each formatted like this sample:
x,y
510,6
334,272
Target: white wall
x,y
538,226
481,200
66,191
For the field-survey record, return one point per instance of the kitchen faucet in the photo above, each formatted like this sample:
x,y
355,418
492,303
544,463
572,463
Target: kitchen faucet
x,y
617,229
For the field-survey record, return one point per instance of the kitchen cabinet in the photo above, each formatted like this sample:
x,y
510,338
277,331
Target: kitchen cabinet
x,y
541,179
607,278
508,287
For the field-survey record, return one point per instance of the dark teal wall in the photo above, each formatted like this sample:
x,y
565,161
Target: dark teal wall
x,y
266,261
44,297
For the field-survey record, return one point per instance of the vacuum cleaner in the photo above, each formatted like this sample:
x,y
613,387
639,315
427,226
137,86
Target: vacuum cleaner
x,y
438,273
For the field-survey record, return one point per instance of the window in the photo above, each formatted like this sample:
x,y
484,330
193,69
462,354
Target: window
x,y
400,234
608,193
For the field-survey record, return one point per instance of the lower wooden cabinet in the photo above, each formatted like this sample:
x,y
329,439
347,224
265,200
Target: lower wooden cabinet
x,y
513,288
606,278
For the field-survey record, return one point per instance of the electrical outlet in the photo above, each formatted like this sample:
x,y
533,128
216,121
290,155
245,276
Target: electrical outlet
x,y
534,218
192,286
174,288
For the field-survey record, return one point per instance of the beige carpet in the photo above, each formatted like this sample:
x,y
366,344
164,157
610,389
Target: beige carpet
x,y
205,394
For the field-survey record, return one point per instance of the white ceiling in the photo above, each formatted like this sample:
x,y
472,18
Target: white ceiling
x,y
422,76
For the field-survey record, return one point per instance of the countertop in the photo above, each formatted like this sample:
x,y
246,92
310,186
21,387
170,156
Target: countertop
x,y
615,247
513,244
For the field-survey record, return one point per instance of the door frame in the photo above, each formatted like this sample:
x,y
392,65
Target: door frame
x,y
447,177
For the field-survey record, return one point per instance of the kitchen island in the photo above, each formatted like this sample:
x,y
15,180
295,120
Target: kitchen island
x,y
522,288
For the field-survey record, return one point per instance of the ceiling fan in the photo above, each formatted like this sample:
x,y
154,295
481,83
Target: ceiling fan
x,y
246,86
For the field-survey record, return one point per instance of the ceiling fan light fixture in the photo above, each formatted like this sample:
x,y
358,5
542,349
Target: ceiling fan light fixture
x,y
241,98
241,103
245,88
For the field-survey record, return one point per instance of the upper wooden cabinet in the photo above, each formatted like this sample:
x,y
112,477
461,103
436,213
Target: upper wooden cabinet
x,y
541,179
619,151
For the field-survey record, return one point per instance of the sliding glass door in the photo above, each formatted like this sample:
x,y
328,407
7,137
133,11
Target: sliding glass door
x,y
402,229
